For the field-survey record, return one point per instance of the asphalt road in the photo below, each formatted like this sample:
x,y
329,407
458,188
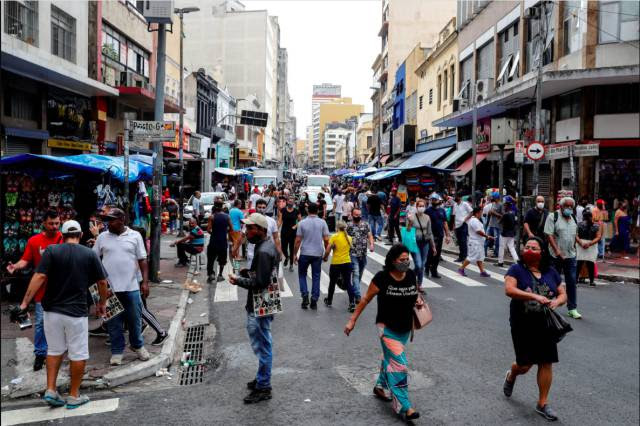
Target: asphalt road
x,y
457,364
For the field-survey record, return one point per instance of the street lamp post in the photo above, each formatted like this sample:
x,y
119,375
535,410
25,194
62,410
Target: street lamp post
x,y
181,12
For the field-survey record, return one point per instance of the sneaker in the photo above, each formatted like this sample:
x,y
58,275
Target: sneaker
x,y
252,384
291,267
143,354
507,387
314,304
220,278
257,395
116,359
546,412
592,284
413,416
286,262
100,331
484,274
160,338
352,307
305,303
461,272
39,362
573,313
75,402
53,398
211,278
327,302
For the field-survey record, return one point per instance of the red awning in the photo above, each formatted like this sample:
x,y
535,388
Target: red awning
x,y
173,153
466,167
383,159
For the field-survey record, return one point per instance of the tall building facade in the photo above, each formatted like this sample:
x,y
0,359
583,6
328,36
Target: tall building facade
x,y
322,93
338,111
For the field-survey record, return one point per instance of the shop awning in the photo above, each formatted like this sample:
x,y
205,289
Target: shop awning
x,y
225,171
48,165
174,153
468,165
26,133
452,158
423,159
341,172
385,174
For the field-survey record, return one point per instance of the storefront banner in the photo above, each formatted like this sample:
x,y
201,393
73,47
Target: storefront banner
x,y
61,143
519,152
483,135
586,150
557,152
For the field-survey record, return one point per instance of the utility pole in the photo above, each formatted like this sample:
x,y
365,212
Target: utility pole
x,y
542,40
128,116
154,261
474,148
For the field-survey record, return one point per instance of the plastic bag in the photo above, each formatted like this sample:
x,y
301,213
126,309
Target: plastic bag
x,y
409,239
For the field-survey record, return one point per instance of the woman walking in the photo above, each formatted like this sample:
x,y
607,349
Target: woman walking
x,y
507,231
397,294
622,229
340,268
288,222
475,244
532,284
587,245
424,239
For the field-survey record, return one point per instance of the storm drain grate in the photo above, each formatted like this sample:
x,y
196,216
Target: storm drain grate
x,y
192,375
195,334
196,350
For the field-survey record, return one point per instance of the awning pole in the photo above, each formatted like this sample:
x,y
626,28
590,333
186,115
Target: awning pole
x,y
474,129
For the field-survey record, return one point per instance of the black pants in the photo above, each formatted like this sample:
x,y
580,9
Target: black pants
x,y
433,261
183,249
590,269
214,252
288,244
342,271
150,319
462,233
394,228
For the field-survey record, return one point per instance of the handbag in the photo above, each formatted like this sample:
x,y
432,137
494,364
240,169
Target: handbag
x,y
556,325
422,315
409,239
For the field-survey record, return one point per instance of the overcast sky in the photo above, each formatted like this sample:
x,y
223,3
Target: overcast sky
x,y
328,41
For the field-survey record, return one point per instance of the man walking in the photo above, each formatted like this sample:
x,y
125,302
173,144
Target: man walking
x,y
236,215
393,221
376,222
462,213
68,270
535,219
561,229
36,245
198,209
494,216
312,240
259,276
123,254
440,231
219,227
272,231
361,238
338,204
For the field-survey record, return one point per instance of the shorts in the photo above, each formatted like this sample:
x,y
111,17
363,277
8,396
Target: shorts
x,y
475,251
67,334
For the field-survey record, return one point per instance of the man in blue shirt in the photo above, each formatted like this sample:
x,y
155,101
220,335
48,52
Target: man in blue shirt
x,y
440,231
236,216
192,243
394,216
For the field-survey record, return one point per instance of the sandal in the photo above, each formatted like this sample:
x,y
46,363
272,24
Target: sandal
x,y
380,394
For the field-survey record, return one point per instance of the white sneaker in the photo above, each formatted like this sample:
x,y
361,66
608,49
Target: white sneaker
x,y
143,354
116,359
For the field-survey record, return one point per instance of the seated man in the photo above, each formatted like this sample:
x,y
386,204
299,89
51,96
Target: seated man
x,y
193,243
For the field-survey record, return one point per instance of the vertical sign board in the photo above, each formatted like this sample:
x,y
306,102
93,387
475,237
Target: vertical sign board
x,y
519,152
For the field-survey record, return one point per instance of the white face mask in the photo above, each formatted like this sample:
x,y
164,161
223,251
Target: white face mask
x,y
421,209
540,205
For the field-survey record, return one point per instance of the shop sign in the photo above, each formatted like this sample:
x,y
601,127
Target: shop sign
x,y
586,150
483,135
398,140
385,143
160,130
61,143
557,152
519,152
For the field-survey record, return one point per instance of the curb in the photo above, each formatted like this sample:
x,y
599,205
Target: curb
x,y
148,368
605,277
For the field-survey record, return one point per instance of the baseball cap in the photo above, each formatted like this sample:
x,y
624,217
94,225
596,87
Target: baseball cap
x,y
256,219
435,196
71,226
114,213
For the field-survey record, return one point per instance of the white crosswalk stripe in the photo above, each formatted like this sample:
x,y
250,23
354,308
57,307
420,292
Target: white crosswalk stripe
x,y
324,282
474,268
287,289
225,292
376,257
469,282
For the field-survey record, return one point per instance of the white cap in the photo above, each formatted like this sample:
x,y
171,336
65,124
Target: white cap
x,y
257,219
71,226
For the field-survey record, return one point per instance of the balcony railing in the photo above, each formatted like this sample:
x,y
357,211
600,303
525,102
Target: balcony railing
x,y
21,20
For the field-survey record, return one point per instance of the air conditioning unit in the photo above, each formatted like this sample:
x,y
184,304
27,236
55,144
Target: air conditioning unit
x,y
484,88
459,104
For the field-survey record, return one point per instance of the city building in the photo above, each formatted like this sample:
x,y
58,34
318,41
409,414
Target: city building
x,y
309,143
239,48
404,24
54,99
364,139
339,110
322,93
589,90
335,137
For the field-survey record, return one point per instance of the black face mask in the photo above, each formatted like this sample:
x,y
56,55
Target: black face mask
x,y
356,219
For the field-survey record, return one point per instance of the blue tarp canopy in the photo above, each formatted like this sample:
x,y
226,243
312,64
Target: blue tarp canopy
x,y
423,159
341,172
385,174
48,165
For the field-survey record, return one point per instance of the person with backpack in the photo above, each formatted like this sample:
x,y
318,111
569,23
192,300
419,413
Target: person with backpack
x,y
507,231
561,229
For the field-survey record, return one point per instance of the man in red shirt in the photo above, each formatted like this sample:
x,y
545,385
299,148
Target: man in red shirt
x,y
31,256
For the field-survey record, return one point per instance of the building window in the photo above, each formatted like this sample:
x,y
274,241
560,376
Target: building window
x,y
439,92
123,62
619,21
420,101
21,20
485,61
452,81
430,96
466,77
617,99
534,31
445,85
571,27
569,105
63,34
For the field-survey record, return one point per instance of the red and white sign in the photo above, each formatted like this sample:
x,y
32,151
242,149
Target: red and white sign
x,y
535,151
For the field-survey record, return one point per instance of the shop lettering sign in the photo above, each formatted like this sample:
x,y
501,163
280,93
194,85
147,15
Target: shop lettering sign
x,y
61,143
557,152
158,130
586,150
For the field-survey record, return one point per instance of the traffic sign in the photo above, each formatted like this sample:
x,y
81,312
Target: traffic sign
x,y
519,152
535,151
157,130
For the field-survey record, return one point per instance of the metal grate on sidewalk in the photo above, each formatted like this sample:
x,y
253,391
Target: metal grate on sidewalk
x,y
192,375
194,343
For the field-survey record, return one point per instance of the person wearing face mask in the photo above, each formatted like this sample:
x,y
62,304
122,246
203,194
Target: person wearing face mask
x,y
340,243
272,231
462,213
586,245
561,229
288,222
531,284
622,229
424,239
507,231
476,243
362,237
582,204
397,292
440,231
535,219
304,205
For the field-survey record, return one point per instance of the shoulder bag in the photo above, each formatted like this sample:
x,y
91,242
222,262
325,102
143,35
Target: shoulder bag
x,y
422,315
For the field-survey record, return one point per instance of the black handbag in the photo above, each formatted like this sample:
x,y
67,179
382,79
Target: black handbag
x,y
341,284
556,325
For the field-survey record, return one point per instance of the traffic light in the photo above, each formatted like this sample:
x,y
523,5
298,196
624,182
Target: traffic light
x,y
254,118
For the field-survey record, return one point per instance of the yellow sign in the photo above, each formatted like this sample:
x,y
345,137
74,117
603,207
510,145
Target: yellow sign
x,y
61,143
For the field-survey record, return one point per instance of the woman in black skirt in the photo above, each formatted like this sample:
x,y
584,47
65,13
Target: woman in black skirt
x,y
531,284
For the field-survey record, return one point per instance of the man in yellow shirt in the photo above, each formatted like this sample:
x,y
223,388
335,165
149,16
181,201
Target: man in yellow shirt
x,y
340,268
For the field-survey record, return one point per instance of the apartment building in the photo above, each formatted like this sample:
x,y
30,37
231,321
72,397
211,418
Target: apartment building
x,y
322,93
589,87
335,137
364,139
339,110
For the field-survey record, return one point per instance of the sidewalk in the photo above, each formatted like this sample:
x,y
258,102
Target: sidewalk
x,y
615,267
167,301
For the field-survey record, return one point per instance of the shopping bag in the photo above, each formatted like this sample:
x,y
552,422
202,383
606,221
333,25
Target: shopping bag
x,y
409,239
557,327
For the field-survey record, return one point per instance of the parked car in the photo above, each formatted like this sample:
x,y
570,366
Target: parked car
x,y
206,200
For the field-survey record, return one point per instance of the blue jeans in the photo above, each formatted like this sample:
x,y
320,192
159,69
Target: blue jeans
x,y
569,269
419,259
376,223
259,330
358,265
132,304
462,234
601,247
494,231
39,340
316,268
